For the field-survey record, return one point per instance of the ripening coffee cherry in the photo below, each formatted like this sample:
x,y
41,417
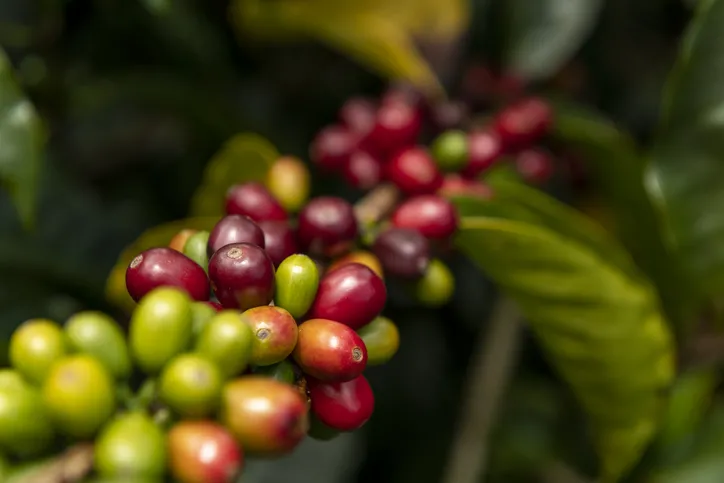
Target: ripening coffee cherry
x,y
242,276
327,224
382,339
330,351
431,215
534,165
195,248
450,150
397,125
98,335
288,182
25,427
131,446
331,148
364,257
484,150
297,281
403,252
437,285
179,240
358,115
255,201
35,346
344,406
414,172
456,185
279,240
164,267
190,385
227,341
363,170
352,294
203,452
275,334
266,417
523,123
234,229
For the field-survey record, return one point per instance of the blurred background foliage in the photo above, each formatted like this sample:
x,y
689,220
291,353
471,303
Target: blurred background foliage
x,y
133,98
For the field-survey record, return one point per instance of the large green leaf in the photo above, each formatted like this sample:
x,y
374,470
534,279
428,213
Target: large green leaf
x,y
22,141
542,35
600,328
686,173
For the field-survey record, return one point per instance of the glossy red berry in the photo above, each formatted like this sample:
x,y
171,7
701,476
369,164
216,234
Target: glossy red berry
x,y
414,172
234,229
344,406
403,252
163,266
534,165
242,276
397,125
253,200
523,123
363,171
279,240
484,149
358,115
431,215
330,351
327,225
456,185
275,334
203,452
331,148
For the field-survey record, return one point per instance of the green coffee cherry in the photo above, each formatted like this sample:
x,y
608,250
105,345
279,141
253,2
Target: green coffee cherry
x,y
98,335
297,281
227,341
191,386
35,346
201,314
382,340
282,371
195,248
131,446
450,150
437,285
25,427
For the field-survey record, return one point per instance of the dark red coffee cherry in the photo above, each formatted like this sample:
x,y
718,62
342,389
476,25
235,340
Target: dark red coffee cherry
x,y
403,252
534,165
363,171
344,406
358,115
234,229
523,123
414,172
327,225
397,125
484,149
352,294
330,351
242,276
456,185
163,266
433,216
279,240
255,201
331,148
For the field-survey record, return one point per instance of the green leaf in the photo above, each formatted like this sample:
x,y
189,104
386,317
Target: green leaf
x,y
601,329
543,35
22,141
158,236
685,177
244,157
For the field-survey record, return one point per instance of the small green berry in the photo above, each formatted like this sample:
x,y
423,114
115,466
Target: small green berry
x,y
195,248
436,286
297,281
450,150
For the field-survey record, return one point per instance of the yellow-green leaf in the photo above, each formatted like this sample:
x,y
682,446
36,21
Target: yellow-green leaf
x,y
158,236
244,157
600,328
380,34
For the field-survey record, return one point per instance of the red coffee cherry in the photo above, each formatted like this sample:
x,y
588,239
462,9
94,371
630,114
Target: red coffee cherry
x,y
330,351
344,406
164,266
534,165
234,229
358,115
431,215
484,149
523,123
255,201
414,172
363,171
326,225
331,148
397,125
279,240
456,185
242,276
203,452
403,252
352,294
